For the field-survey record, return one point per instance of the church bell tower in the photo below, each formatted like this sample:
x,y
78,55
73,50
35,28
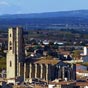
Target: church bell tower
x,y
15,54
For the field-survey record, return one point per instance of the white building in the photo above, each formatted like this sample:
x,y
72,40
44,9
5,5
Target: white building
x,y
85,50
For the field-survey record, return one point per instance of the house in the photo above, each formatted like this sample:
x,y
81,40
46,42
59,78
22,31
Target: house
x,y
62,84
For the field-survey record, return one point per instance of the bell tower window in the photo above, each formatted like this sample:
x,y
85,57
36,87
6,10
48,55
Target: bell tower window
x,y
10,63
10,48
10,43
10,35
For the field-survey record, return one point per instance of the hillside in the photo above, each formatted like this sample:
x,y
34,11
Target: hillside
x,y
75,13
45,19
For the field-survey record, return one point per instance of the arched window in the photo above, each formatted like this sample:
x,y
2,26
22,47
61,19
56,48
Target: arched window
x,y
10,48
10,35
10,63
10,43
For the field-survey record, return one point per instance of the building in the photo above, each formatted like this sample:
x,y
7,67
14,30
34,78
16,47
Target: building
x,y
24,69
62,84
48,70
15,54
85,50
81,85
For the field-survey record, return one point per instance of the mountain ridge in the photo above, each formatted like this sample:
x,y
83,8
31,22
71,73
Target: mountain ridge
x,y
47,20
73,13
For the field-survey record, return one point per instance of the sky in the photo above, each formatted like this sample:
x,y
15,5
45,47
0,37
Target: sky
x,y
39,6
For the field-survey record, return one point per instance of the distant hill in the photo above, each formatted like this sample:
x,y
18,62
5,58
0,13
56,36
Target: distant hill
x,y
75,13
48,18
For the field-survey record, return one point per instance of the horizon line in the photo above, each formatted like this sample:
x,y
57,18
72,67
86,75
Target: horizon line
x,y
43,12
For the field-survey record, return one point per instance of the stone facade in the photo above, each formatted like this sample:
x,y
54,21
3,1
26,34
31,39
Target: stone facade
x,y
15,54
42,69
49,71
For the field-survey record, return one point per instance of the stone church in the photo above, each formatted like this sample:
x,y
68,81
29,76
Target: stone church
x,y
27,69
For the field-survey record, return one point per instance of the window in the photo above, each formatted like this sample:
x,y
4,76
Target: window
x,y
10,63
10,35
10,43
10,48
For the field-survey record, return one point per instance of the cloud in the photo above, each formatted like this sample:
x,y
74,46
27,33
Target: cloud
x,y
4,3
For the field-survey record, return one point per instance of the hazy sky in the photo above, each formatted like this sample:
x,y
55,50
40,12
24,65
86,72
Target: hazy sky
x,y
38,6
